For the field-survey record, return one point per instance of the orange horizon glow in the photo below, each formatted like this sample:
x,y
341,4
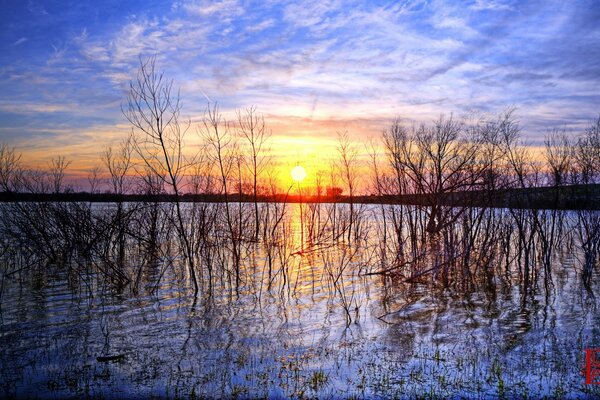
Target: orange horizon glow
x,y
309,142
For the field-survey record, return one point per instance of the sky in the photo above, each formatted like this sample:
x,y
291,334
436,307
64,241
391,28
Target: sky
x,y
313,68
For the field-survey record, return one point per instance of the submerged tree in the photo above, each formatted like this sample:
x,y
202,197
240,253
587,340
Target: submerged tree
x,y
216,133
587,154
252,128
434,161
348,155
153,109
119,162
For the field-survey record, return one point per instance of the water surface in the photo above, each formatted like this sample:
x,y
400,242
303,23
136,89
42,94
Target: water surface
x,y
319,326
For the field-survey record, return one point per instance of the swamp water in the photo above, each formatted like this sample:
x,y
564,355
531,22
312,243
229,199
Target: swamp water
x,y
319,326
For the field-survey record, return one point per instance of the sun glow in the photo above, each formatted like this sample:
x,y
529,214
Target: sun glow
x,y
298,173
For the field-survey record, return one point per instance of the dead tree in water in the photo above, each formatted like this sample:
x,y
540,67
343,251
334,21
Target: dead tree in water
x,y
559,157
153,111
558,154
217,136
587,162
348,156
395,140
118,163
433,161
252,128
587,155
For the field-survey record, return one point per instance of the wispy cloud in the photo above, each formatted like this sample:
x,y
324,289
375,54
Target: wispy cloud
x,y
261,25
206,8
19,41
317,60
36,8
28,107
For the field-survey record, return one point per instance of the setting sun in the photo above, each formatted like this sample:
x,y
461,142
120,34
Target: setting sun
x,y
298,173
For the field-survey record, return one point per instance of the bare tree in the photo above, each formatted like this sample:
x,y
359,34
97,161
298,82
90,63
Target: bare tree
x,y
436,160
516,157
348,155
94,178
10,168
558,153
56,171
153,109
217,135
398,147
491,134
252,128
119,163
587,154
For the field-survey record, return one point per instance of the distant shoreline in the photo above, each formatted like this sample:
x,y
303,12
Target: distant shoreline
x,y
572,197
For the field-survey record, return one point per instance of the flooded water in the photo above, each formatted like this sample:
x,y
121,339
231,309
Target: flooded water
x,y
319,324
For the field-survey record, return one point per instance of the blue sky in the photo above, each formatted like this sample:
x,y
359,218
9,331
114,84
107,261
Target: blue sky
x,y
312,67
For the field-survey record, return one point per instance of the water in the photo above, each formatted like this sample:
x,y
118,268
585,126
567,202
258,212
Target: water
x,y
305,332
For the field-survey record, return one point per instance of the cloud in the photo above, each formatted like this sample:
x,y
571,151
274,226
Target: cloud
x,y
29,108
493,5
206,8
20,41
261,26
320,60
58,54
36,8
311,13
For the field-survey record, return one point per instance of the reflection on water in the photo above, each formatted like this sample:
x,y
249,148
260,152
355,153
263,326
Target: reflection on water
x,y
320,323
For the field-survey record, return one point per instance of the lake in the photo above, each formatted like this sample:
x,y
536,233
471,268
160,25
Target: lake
x,y
329,302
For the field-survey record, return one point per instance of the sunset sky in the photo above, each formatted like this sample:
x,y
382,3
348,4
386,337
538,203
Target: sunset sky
x,y
313,68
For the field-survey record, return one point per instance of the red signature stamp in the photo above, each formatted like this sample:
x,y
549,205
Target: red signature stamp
x,y
592,366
